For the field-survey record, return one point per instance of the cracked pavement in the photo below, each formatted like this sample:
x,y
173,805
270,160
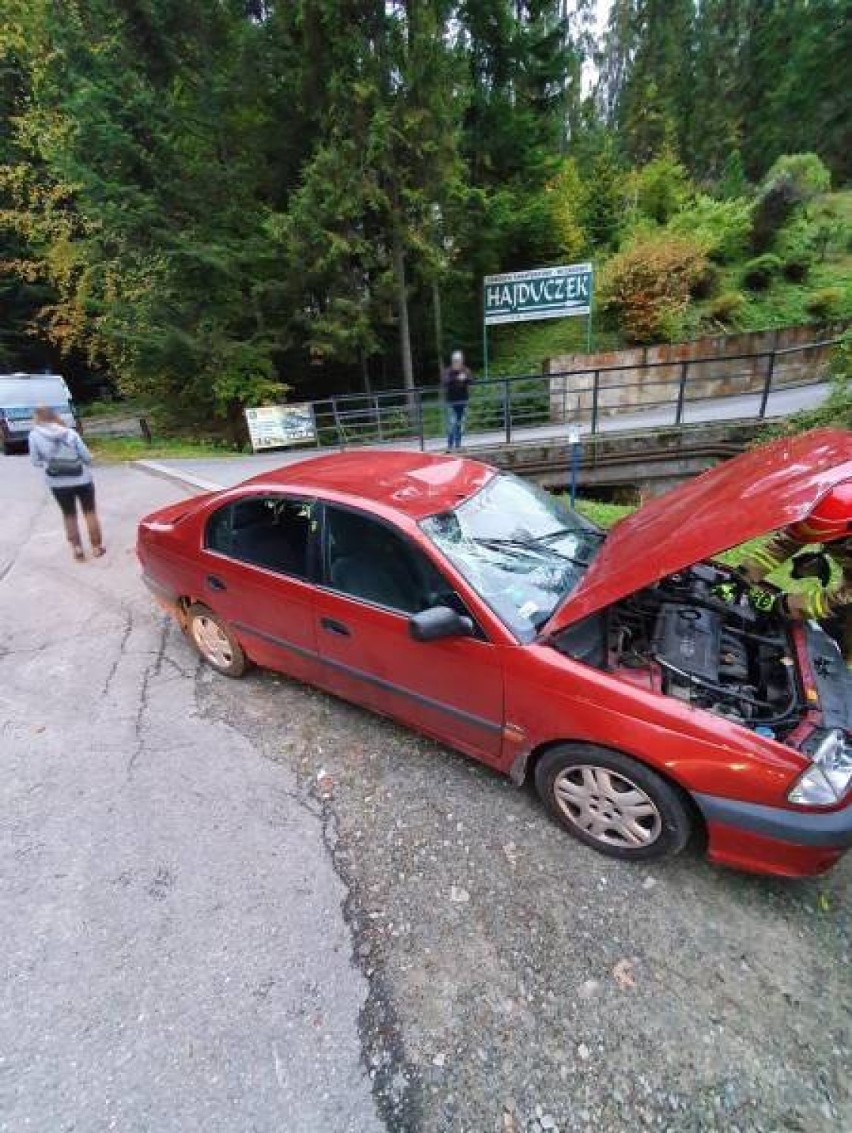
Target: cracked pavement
x,y
175,954
247,905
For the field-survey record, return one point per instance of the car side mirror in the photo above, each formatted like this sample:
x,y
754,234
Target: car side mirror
x,y
438,622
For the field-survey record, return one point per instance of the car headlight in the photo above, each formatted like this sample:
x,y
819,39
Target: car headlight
x,y
828,778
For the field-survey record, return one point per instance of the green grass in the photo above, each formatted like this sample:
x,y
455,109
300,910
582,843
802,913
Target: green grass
x,y
784,303
523,348
128,407
604,515
114,450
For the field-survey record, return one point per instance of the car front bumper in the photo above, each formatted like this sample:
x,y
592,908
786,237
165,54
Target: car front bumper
x,y
765,839
15,438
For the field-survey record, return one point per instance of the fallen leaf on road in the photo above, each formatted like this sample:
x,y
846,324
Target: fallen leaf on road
x,y
623,974
511,852
458,895
510,1123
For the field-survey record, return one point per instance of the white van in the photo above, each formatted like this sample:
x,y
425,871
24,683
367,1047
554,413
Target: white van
x,y
20,394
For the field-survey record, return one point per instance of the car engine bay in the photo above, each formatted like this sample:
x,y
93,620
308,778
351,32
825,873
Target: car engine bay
x,y
720,655
682,639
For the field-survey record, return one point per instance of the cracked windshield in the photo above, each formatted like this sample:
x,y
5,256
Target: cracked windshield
x,y
521,549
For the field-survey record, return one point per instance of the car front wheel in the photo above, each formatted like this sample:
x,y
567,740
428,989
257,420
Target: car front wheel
x,y
215,642
613,803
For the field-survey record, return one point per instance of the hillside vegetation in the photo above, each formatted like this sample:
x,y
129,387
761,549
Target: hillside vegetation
x,y
802,276
211,205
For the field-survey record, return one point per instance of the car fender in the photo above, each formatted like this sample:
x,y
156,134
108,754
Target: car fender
x,y
552,699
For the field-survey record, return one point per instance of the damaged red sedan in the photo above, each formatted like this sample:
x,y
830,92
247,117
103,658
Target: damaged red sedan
x,y
475,607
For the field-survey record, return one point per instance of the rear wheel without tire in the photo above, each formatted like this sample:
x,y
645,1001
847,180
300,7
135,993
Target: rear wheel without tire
x,y
215,642
613,803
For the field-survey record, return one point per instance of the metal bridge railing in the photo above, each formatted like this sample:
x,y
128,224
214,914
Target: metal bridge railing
x,y
532,406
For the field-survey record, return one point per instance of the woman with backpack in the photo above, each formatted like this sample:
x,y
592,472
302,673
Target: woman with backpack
x,y
67,470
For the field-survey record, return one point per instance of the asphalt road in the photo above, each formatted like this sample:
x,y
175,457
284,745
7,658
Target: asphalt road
x,y
241,904
224,472
175,954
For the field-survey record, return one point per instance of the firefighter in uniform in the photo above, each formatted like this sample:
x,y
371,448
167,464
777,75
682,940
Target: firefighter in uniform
x,y
830,526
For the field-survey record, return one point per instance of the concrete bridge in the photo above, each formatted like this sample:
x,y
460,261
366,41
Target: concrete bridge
x,y
645,452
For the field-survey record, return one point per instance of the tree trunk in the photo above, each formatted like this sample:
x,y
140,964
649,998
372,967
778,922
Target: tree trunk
x,y
365,372
439,326
402,302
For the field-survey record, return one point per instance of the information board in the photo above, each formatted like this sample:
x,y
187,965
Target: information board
x,y
278,426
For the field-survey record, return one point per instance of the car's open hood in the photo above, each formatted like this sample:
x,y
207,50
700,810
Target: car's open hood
x,y
746,497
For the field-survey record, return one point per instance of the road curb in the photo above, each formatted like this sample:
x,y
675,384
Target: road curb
x,y
186,479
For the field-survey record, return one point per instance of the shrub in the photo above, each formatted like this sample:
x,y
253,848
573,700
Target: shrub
x,y
567,195
775,205
829,229
807,172
792,181
795,244
647,286
733,182
706,283
797,266
840,366
825,304
661,188
724,227
727,306
760,272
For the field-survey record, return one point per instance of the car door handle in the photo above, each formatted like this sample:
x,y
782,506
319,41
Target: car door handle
x,y
214,583
332,626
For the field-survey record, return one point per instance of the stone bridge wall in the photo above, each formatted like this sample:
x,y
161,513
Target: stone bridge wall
x,y
716,367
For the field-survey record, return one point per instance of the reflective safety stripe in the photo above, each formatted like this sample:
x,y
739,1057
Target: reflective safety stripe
x,y
766,559
817,604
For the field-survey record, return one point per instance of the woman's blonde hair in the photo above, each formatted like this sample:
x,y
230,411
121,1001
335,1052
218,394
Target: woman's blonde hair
x,y
44,415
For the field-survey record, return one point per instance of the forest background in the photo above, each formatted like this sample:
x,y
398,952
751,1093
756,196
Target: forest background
x,y
205,202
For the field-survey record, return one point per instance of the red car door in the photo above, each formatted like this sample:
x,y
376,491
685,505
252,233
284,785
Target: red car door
x,y
256,564
373,579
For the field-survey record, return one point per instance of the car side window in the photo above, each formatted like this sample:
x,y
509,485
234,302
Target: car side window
x,y
367,559
266,531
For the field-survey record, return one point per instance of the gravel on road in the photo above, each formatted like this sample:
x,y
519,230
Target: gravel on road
x,y
520,981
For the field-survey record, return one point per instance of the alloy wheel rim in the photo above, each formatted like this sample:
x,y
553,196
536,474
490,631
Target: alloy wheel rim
x,y
212,642
607,806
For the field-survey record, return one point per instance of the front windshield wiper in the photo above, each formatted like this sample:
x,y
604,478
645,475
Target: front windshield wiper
x,y
529,545
520,544
578,531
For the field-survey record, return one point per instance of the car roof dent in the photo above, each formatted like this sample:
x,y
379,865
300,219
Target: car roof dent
x,y
416,484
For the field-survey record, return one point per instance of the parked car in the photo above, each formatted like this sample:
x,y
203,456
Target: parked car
x,y
19,395
475,607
